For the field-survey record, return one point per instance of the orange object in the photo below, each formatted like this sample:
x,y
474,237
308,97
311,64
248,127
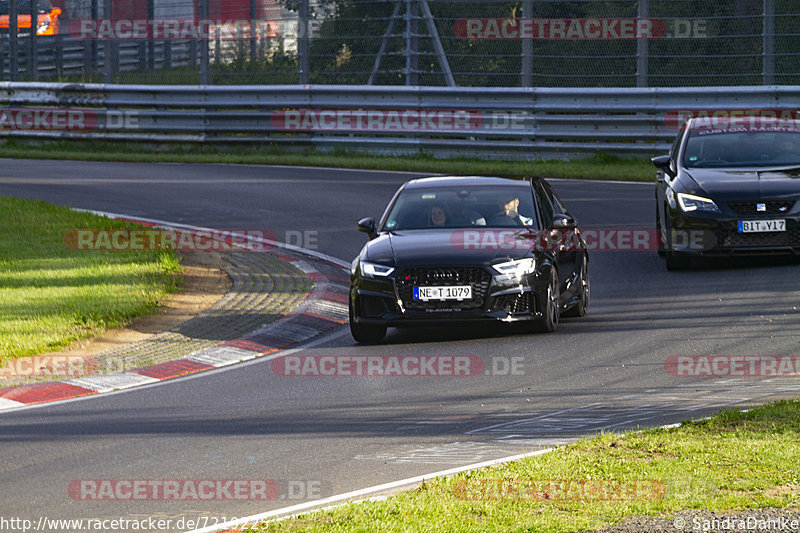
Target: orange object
x,y
47,18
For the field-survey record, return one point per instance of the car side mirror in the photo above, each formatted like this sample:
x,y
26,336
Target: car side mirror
x,y
563,221
662,163
367,225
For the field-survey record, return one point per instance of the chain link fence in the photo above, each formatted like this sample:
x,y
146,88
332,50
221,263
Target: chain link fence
x,y
466,43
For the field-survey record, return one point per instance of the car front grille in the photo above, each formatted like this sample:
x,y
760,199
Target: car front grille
x,y
778,239
515,303
772,207
476,277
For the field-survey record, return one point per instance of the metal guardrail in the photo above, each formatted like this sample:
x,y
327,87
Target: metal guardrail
x,y
515,123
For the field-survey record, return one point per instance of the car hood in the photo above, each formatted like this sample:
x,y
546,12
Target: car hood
x,y
469,246
737,184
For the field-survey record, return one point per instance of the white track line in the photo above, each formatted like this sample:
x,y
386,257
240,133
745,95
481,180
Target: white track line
x,y
269,242
361,493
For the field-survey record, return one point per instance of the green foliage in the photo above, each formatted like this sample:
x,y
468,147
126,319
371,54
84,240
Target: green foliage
x,y
51,295
733,461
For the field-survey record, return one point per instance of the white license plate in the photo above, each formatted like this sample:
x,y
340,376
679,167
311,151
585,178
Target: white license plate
x,y
460,292
761,226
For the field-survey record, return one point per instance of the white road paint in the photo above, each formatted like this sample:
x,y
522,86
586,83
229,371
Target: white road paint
x,y
269,242
295,510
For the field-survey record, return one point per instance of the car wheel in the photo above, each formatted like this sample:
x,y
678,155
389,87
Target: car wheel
x,y
675,260
549,322
662,251
365,333
581,308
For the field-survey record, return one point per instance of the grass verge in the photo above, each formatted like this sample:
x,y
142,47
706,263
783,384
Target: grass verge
x,y
51,296
735,460
600,166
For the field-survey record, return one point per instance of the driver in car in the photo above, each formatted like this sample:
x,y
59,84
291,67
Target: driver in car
x,y
509,213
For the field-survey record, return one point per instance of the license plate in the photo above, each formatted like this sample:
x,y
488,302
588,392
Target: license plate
x,y
460,292
761,226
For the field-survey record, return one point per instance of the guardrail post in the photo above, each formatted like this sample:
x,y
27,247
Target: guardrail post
x,y
768,43
203,44
13,73
526,72
303,42
643,49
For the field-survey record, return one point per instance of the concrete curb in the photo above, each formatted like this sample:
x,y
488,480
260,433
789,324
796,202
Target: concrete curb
x,y
323,309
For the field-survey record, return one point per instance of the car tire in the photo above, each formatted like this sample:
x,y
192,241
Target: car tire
x,y
662,249
581,308
365,333
549,321
675,260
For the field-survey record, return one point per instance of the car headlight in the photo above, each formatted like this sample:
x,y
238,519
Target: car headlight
x,y
689,203
517,268
373,270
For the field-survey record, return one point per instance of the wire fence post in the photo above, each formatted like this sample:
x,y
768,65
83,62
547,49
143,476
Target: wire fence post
x,y
33,50
151,38
643,49
203,42
95,14
412,62
2,58
253,15
13,73
59,54
109,48
303,42
768,43
526,73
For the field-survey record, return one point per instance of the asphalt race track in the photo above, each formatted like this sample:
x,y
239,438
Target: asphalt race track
x,y
322,436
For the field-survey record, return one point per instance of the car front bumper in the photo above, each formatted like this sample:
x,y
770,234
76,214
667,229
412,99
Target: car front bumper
x,y
719,235
382,301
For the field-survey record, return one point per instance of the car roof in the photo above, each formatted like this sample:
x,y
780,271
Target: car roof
x,y
455,181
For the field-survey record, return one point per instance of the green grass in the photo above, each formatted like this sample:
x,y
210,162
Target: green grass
x,y
597,167
736,460
51,296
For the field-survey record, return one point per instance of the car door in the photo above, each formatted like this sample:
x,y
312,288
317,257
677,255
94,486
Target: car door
x,y
567,257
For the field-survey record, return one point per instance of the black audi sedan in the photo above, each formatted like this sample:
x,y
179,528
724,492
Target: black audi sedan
x,y
468,249
729,190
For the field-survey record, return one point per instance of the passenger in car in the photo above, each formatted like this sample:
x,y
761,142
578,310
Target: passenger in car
x,y
437,216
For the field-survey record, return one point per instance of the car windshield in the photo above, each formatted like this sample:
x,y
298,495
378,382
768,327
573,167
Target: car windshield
x,y
462,207
745,148
24,7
